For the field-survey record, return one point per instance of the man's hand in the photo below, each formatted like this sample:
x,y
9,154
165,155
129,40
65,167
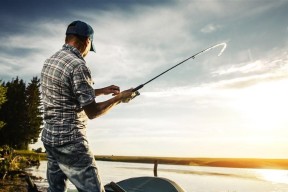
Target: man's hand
x,y
115,90
112,89
127,95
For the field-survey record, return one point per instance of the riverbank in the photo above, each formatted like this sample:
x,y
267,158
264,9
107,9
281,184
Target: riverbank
x,y
16,184
12,170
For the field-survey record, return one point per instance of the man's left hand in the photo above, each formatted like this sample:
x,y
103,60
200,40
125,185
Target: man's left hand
x,y
115,90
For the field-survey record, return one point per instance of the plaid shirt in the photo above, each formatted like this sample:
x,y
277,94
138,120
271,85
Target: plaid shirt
x,y
66,87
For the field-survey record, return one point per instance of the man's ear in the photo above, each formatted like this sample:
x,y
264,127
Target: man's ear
x,y
87,41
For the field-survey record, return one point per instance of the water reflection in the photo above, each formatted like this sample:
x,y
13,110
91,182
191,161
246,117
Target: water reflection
x,y
272,175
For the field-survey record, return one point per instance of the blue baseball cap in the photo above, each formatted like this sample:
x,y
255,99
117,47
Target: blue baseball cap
x,y
82,29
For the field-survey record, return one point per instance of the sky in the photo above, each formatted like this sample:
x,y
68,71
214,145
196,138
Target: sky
x,y
233,105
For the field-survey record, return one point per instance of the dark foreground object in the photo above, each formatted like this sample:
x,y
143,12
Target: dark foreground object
x,y
31,185
144,184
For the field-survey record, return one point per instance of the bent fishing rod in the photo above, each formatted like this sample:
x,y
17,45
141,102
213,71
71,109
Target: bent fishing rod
x,y
135,90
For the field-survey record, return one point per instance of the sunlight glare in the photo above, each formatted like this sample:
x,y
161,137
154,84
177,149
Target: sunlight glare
x,y
272,175
263,105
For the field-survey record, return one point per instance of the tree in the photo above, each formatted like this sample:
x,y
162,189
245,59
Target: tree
x,y
13,112
21,113
34,110
2,100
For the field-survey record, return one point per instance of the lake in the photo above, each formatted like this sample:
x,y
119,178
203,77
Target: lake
x,y
190,178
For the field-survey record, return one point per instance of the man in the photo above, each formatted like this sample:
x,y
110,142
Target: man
x,y
69,100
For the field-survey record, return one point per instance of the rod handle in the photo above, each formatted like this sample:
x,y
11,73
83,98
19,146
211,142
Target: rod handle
x,y
138,87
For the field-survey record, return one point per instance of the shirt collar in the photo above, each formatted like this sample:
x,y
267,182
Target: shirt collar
x,y
72,49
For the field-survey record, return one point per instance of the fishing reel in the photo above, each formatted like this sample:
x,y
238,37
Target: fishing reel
x,y
134,94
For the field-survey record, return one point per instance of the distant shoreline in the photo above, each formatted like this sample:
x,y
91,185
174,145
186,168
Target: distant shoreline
x,y
209,162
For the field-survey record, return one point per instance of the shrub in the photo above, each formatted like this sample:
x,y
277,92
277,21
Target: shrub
x,y
11,164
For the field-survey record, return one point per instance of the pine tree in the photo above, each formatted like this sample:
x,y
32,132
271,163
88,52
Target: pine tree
x,y
21,113
14,113
34,110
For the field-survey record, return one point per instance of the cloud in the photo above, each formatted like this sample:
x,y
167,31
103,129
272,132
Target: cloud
x,y
24,53
30,30
254,67
270,68
132,39
243,82
210,28
139,50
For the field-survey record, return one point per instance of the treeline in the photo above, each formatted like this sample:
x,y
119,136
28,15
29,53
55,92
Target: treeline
x,y
20,113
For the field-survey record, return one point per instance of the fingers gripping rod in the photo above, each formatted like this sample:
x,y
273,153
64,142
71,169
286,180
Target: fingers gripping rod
x,y
192,57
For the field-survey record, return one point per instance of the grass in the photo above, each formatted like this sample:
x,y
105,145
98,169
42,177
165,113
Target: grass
x,y
31,154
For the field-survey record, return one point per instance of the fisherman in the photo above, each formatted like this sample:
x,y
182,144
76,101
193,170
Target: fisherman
x,y
69,100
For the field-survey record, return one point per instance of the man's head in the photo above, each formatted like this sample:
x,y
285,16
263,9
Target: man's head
x,y
80,34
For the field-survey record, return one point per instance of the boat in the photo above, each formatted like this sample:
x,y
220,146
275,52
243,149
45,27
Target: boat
x,y
144,184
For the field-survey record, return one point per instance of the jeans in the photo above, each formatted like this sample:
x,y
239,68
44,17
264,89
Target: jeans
x,y
74,162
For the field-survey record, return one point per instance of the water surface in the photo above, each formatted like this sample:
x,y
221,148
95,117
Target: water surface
x,y
190,178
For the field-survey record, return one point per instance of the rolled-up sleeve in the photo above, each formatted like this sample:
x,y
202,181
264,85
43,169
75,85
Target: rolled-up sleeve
x,y
82,85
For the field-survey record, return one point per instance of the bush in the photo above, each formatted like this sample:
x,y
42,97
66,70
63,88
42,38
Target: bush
x,y
39,150
11,164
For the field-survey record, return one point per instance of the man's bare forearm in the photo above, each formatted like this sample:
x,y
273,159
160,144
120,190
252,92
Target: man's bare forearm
x,y
94,109
105,106
98,92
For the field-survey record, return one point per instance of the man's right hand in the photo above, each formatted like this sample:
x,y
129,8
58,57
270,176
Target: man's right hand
x,y
127,95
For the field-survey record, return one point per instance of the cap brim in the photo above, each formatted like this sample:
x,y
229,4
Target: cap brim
x,y
92,47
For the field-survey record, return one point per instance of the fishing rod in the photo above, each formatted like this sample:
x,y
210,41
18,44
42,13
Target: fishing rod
x,y
135,90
